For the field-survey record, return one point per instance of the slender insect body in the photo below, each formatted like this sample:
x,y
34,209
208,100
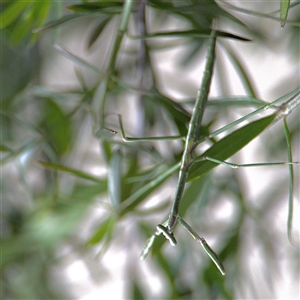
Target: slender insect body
x,y
215,155
213,256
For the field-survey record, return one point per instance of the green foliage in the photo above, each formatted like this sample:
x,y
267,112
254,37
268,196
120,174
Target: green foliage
x,y
69,164
23,17
284,9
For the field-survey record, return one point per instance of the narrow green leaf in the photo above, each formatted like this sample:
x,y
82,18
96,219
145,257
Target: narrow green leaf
x,y
74,172
229,145
84,192
242,72
22,28
115,178
284,9
204,33
104,229
236,101
59,222
206,11
100,233
56,23
65,52
12,12
240,101
137,293
171,106
56,127
96,32
103,6
223,34
291,185
175,109
162,5
42,10
4,148
41,13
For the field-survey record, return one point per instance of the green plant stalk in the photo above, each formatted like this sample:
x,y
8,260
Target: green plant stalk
x,y
194,130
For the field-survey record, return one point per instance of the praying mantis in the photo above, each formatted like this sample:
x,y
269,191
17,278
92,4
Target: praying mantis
x,y
192,166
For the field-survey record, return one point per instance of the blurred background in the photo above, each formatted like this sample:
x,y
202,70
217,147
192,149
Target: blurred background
x,y
78,203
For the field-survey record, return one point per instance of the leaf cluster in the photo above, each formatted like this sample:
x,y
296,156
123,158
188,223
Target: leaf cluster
x,y
66,166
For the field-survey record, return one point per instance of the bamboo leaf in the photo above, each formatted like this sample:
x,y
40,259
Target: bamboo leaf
x,y
103,6
96,32
104,229
137,293
284,9
242,72
229,145
12,12
199,33
56,126
58,22
291,185
240,101
42,10
236,101
22,28
115,178
82,192
71,171
198,13
173,107
180,115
